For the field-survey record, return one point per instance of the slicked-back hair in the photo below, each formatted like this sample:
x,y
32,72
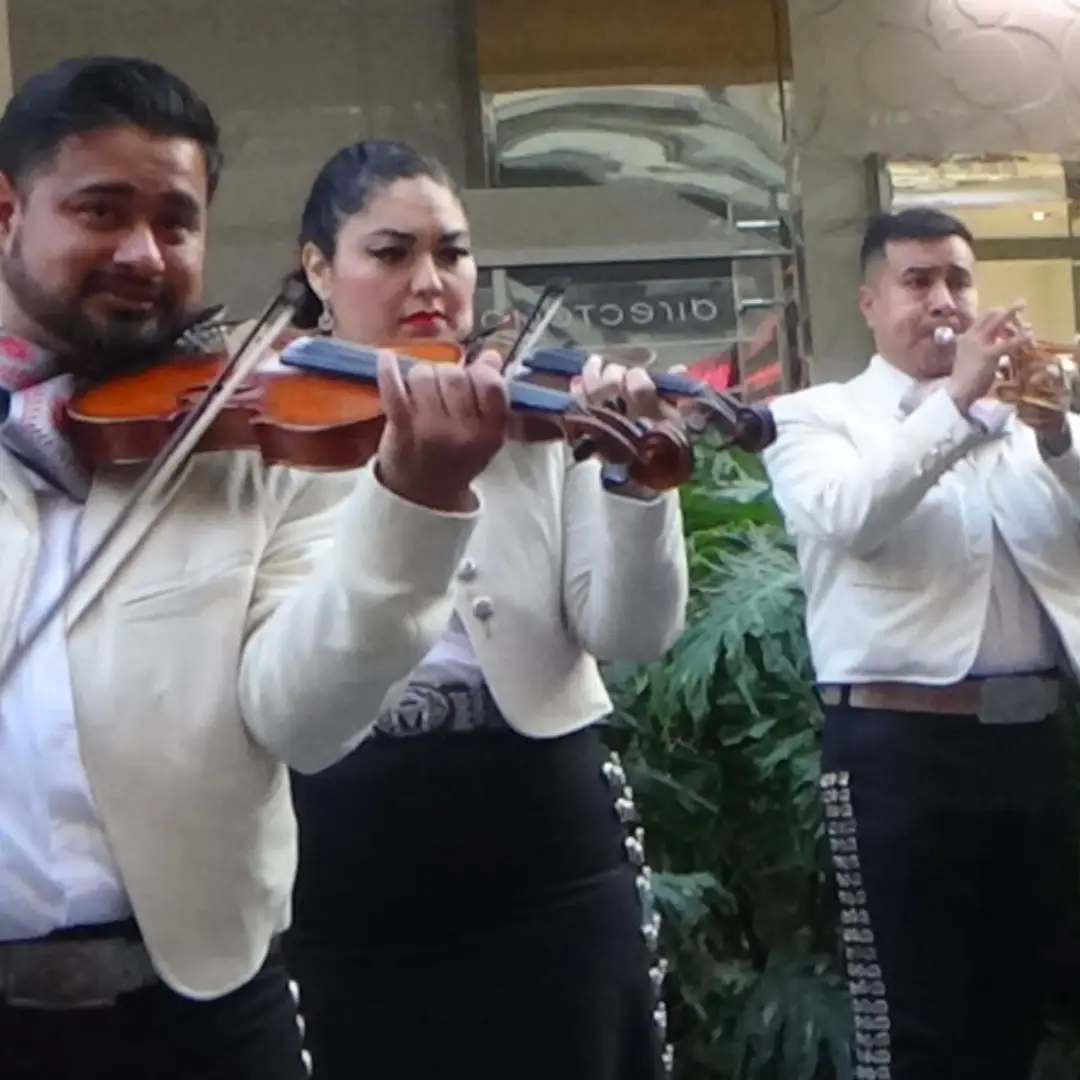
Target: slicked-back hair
x,y
85,94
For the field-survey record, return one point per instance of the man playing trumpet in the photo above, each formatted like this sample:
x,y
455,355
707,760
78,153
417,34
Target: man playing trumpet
x,y
935,504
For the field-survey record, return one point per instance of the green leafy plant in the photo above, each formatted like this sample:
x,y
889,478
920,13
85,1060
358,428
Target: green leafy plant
x,y
720,741
721,744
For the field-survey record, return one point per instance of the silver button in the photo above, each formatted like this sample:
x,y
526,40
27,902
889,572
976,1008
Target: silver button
x,y
483,608
644,888
614,774
294,990
467,570
669,1059
305,1057
660,1019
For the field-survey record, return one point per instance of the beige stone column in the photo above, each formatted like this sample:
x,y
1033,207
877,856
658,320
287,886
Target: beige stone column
x,y
928,77
835,204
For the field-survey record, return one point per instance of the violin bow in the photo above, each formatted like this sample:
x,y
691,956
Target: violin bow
x,y
535,326
172,458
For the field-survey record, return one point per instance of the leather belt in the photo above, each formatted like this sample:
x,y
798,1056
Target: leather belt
x,y
1031,697
67,974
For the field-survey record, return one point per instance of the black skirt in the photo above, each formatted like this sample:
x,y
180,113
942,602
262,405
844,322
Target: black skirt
x,y
475,906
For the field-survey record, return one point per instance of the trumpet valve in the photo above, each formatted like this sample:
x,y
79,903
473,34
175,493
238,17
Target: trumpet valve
x,y
1051,383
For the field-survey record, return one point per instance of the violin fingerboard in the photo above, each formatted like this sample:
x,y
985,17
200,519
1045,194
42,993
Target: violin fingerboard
x,y
565,362
331,356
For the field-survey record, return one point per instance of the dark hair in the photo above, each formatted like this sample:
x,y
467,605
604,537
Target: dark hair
x,y
343,187
87,93
917,223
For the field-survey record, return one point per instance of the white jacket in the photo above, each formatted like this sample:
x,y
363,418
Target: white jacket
x,y
895,559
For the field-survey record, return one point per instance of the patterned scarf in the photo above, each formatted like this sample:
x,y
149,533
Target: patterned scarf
x,y
34,394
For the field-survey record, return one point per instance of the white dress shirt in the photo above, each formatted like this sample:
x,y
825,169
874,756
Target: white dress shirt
x,y
454,651
56,868
1017,638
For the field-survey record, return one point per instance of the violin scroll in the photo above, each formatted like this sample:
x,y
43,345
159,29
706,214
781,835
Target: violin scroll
x,y
754,430
666,458
654,455
749,427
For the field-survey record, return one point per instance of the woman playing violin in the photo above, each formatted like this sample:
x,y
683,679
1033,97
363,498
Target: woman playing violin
x,y
471,901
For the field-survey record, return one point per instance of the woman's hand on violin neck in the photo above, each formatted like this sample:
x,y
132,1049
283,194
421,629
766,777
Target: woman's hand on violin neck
x,y
602,384
444,424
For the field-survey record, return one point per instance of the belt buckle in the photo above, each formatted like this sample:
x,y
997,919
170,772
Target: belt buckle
x,y
1016,699
62,975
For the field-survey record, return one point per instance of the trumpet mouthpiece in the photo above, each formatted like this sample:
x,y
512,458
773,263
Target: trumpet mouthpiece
x,y
944,335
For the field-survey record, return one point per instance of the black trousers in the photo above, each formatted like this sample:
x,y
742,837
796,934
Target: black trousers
x,y
466,910
953,858
154,1034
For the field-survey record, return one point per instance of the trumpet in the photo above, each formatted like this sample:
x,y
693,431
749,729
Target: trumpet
x,y
1034,374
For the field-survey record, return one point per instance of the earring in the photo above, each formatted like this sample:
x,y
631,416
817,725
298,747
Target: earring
x,y
326,319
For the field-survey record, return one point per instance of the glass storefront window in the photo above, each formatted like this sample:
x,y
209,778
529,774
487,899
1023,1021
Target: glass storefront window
x,y
720,148
648,165
995,196
668,212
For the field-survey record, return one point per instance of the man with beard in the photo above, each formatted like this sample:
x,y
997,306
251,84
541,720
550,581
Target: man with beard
x,y
257,618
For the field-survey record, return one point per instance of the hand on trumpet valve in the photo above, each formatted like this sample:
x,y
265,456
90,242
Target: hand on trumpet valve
x,y
1000,357
995,335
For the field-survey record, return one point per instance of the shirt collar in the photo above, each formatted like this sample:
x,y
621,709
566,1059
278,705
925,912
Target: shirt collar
x,y
904,393
895,388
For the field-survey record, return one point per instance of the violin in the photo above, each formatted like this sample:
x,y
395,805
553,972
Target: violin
x,y
317,407
748,427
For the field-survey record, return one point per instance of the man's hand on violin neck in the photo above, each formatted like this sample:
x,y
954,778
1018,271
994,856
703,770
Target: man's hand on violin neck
x,y
444,424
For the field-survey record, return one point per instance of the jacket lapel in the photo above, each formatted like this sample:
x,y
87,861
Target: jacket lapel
x,y
109,495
